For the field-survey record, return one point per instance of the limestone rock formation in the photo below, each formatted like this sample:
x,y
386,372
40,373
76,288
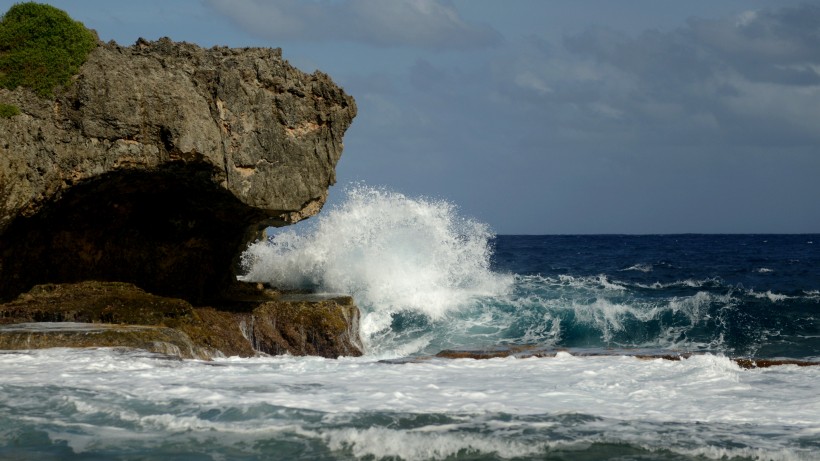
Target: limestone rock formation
x,y
157,164
116,314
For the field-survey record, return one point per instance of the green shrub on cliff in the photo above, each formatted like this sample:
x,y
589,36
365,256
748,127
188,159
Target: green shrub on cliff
x,y
8,111
41,47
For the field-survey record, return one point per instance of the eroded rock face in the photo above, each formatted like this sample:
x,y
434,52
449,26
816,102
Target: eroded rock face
x,y
158,164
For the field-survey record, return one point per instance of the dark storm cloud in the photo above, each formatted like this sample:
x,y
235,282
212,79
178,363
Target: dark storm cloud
x,y
419,23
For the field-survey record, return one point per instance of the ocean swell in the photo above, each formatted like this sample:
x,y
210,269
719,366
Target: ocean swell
x,y
427,279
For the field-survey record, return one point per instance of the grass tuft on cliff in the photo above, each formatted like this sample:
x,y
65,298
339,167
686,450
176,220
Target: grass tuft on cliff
x,y
8,110
41,47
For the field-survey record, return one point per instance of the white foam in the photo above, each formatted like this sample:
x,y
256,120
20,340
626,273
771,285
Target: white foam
x,y
390,252
585,283
639,267
688,283
773,297
423,444
763,412
620,386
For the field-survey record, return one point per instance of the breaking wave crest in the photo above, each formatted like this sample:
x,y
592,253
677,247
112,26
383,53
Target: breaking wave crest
x,y
423,278
392,253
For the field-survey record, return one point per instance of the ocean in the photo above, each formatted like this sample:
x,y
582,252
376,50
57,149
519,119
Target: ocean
x,y
599,310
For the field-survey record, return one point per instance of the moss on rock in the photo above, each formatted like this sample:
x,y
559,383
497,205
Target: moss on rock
x,y
96,302
8,110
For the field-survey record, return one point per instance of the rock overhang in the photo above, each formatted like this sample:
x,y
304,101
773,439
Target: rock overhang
x,y
158,164
170,231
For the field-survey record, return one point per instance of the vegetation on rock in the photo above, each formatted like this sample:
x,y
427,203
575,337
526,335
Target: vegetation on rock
x,y
8,110
41,47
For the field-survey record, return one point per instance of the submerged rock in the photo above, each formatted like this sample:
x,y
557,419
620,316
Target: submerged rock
x,y
528,351
158,164
117,314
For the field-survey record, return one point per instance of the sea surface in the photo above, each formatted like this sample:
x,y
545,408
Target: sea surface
x,y
428,279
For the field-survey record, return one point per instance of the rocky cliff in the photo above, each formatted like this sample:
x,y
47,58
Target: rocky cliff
x,y
127,198
157,164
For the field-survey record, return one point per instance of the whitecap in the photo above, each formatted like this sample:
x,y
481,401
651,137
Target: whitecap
x,y
773,297
639,267
688,283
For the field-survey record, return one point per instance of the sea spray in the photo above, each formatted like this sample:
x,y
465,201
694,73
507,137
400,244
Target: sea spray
x,y
394,254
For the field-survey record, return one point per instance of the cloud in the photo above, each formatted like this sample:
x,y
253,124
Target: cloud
x,y
786,38
772,46
417,23
749,78
707,127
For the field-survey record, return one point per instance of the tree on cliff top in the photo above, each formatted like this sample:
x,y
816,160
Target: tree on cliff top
x,y
41,47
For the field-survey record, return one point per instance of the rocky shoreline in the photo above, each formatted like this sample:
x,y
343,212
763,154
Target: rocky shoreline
x,y
127,196
255,321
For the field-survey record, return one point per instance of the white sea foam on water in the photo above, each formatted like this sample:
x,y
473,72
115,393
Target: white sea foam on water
x,y
424,444
392,253
773,297
688,283
639,267
598,281
100,400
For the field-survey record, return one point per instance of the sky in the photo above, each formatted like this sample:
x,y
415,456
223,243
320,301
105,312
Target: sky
x,y
550,116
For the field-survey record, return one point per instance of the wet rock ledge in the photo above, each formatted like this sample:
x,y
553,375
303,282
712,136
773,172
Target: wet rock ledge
x,y
152,170
117,314
528,351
